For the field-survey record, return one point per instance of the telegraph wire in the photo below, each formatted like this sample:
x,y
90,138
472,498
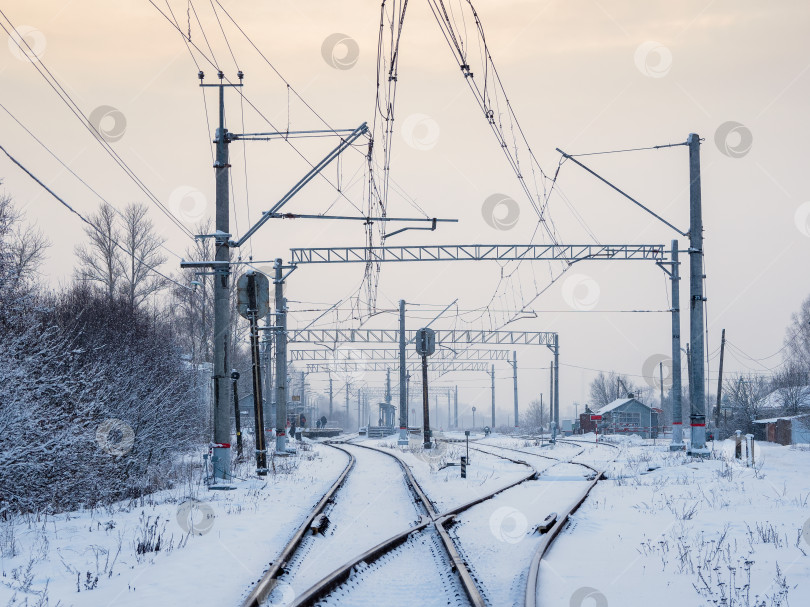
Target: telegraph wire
x,y
72,172
74,108
88,222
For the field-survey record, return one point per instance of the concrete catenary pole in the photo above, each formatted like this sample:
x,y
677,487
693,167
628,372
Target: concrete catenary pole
x,y
551,393
557,379
515,384
330,399
347,408
455,408
677,384
303,394
269,406
661,382
698,399
221,456
449,410
281,359
492,380
403,392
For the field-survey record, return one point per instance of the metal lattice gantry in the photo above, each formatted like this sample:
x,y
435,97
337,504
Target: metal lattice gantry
x,y
342,354
453,336
441,366
479,252
333,337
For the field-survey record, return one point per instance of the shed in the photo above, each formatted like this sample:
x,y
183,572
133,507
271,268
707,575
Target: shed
x,y
788,430
629,416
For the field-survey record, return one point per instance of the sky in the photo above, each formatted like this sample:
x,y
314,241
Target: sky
x,y
582,76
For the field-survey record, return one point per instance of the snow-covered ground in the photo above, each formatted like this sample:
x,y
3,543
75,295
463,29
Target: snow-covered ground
x,y
444,485
92,557
662,528
688,532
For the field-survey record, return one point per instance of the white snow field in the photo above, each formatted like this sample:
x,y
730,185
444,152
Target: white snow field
x,y
661,529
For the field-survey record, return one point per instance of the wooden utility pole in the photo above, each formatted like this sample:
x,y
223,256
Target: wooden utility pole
x,y
720,381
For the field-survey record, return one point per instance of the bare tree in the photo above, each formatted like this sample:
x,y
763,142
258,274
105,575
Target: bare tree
x,y
27,252
141,253
193,309
8,217
100,257
746,396
797,338
791,389
607,388
536,416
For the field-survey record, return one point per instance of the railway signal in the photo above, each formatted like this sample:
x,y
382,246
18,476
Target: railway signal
x,y
253,298
425,346
238,421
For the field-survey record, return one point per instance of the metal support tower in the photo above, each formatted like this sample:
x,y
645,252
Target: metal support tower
x,y
330,398
697,415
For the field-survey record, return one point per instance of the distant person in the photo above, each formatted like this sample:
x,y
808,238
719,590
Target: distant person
x,y
318,424
292,430
323,421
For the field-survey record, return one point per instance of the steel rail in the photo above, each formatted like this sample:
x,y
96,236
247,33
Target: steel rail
x,y
438,520
268,580
530,598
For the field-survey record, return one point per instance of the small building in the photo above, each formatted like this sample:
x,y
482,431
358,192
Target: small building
x,y
629,416
788,430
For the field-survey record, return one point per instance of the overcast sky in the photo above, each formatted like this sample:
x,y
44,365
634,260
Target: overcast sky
x,y
581,75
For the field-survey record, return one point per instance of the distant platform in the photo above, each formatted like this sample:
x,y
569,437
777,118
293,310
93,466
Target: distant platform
x,y
381,431
321,432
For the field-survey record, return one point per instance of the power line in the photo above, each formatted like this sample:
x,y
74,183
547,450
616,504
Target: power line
x,y
255,108
652,147
54,83
72,172
88,222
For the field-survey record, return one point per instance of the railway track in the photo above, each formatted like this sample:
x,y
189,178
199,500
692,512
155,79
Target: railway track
x,y
432,529
421,531
533,573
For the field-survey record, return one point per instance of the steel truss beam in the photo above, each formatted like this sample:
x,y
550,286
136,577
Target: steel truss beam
x,y
341,355
391,336
478,252
371,366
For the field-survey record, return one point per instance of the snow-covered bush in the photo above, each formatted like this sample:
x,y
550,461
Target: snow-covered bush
x,y
95,403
